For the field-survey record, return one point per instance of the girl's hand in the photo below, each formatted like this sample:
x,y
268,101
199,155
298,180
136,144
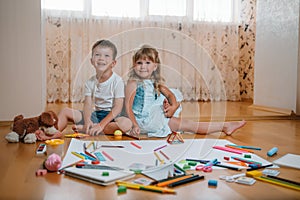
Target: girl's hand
x,y
169,109
135,131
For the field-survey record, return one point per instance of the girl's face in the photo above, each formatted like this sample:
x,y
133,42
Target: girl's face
x,y
144,68
102,58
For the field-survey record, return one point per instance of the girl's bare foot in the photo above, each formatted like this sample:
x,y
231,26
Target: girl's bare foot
x,y
230,127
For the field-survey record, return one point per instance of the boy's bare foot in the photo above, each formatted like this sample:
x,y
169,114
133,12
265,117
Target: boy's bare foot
x,y
230,127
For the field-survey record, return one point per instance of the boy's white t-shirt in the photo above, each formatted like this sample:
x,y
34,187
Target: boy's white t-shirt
x,y
105,93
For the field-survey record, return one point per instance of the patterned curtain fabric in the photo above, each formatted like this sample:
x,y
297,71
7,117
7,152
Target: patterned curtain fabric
x,y
205,61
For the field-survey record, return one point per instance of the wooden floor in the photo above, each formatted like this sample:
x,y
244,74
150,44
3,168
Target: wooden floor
x,y
264,128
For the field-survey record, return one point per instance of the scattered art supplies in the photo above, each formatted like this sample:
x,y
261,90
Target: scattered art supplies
x,y
97,176
289,160
148,159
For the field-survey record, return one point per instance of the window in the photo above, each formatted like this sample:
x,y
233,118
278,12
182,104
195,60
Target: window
x,y
71,5
196,10
116,8
167,7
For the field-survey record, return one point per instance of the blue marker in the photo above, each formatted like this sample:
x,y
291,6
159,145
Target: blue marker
x,y
212,162
272,151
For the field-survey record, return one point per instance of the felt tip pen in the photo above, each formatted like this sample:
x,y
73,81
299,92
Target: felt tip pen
x,y
145,187
245,147
258,167
165,183
179,168
188,180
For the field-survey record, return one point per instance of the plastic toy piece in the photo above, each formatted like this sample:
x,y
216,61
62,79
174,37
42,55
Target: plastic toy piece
x,y
105,173
272,152
122,189
174,138
41,172
213,183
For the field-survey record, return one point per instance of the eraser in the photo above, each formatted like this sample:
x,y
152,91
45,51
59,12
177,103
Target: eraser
x,y
41,149
272,151
213,183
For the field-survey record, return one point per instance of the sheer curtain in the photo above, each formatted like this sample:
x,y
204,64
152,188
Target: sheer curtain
x,y
201,59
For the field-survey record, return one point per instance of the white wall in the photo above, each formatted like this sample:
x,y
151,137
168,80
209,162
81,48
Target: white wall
x,y
276,54
22,77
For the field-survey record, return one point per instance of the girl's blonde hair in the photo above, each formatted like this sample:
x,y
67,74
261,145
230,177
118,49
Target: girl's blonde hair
x,y
147,52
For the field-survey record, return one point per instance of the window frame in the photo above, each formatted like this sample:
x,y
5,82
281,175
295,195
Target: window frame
x,y
144,13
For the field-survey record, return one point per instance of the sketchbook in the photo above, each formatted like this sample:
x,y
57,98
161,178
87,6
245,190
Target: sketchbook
x,y
95,176
289,160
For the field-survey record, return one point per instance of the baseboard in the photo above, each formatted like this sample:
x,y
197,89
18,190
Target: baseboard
x,y
272,109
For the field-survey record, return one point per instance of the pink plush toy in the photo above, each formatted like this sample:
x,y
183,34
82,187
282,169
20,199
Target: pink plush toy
x,y
53,163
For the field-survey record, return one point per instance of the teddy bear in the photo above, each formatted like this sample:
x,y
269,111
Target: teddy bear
x,y
29,130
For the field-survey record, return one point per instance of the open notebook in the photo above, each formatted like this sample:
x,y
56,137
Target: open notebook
x,y
95,175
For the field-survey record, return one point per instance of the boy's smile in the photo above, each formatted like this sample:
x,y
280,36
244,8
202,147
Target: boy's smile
x,y
102,60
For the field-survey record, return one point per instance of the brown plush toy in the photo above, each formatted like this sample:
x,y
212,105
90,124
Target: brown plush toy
x,y
28,130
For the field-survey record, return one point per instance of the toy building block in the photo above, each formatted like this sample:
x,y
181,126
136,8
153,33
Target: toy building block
x,y
174,138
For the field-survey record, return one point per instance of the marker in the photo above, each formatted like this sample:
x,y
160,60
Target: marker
x,y
112,146
246,160
244,147
284,180
145,187
91,166
212,162
136,145
107,155
188,180
255,167
167,182
179,168
238,151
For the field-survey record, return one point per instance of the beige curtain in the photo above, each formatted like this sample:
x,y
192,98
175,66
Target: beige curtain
x,y
202,60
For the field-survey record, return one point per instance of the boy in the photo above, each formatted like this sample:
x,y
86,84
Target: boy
x,y
105,90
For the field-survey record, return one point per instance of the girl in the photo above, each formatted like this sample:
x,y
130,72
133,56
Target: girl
x,y
144,86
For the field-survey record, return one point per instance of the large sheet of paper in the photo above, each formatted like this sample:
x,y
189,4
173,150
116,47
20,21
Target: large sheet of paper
x,y
130,156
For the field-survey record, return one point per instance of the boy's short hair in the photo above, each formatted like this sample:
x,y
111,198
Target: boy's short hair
x,y
106,43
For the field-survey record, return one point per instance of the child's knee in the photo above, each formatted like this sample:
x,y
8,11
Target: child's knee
x,y
124,123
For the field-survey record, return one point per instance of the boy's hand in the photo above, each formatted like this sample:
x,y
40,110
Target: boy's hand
x,y
87,126
95,130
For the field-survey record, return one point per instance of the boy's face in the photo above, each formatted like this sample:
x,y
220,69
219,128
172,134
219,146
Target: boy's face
x,y
102,59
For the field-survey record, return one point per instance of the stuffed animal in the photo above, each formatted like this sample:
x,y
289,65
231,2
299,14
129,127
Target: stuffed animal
x,y
28,130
